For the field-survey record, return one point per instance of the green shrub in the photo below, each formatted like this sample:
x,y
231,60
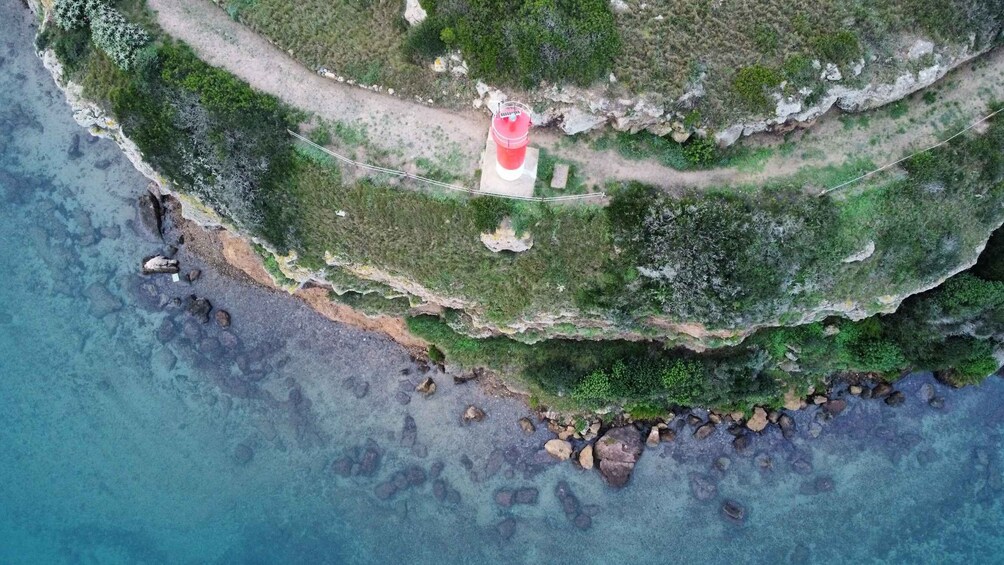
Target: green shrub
x,y
753,84
72,14
115,36
799,71
72,48
425,41
436,355
701,151
840,47
489,211
684,381
533,40
965,296
594,389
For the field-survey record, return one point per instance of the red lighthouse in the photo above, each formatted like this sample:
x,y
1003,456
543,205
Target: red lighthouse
x,y
511,134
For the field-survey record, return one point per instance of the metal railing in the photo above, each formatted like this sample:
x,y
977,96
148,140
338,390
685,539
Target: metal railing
x,y
441,184
912,155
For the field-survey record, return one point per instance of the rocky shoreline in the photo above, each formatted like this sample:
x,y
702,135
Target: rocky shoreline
x,y
612,446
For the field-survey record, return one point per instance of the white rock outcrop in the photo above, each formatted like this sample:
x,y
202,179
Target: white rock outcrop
x,y
414,13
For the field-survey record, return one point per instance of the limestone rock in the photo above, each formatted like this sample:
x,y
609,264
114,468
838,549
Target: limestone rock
x,y
223,318
792,401
505,239
705,431
831,73
527,426
920,48
427,387
559,449
866,252
414,13
160,265
653,437
586,457
473,414
758,422
576,121
618,451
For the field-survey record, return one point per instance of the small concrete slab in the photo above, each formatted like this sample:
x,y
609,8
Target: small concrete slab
x,y
492,183
559,180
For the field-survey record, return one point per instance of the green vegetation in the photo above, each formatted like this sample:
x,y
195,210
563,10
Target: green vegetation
x,y
271,265
109,30
729,257
754,84
529,41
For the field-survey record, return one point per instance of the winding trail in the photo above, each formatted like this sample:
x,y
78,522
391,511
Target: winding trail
x,y
404,130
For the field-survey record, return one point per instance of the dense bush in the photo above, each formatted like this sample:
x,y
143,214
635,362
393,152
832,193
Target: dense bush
x,y
753,85
525,42
489,212
719,258
109,30
214,136
701,151
115,36
71,14
840,47
425,41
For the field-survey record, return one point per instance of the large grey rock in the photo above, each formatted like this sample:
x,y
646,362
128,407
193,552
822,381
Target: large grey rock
x,y
414,13
160,265
576,121
505,239
618,451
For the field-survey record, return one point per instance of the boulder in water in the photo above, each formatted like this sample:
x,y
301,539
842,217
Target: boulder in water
x,y
160,265
618,451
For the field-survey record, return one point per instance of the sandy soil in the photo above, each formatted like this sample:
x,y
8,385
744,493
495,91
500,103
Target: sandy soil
x,y
408,130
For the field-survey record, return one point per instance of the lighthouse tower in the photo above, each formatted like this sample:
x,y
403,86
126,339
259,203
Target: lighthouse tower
x,y
511,134
509,163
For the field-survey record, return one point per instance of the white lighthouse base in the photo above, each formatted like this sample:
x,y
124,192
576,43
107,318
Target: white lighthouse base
x,y
496,180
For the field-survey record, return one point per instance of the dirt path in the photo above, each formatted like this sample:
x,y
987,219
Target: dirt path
x,y
405,130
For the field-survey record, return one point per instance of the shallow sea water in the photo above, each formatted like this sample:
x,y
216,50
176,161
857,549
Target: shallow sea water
x,y
125,427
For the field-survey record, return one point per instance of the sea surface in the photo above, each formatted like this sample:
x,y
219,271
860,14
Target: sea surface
x,y
131,433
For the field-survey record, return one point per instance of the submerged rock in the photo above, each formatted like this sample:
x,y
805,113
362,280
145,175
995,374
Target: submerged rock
x,y
198,308
506,528
702,487
896,398
223,318
733,512
473,414
427,387
150,213
243,454
618,451
527,426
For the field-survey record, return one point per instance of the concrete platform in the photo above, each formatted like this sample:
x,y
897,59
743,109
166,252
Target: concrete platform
x,y
492,183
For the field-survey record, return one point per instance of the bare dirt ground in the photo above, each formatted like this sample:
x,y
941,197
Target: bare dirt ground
x,y
406,130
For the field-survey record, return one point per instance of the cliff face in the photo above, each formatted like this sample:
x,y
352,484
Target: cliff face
x,y
472,318
867,85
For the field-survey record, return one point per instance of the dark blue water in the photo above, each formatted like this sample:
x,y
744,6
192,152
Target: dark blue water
x,y
129,433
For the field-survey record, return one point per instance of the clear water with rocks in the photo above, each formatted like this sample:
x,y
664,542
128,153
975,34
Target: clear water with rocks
x,y
131,433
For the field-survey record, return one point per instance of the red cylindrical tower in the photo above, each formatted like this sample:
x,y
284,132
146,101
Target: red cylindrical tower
x,y
510,131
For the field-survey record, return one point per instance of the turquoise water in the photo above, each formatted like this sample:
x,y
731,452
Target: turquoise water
x,y
130,433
